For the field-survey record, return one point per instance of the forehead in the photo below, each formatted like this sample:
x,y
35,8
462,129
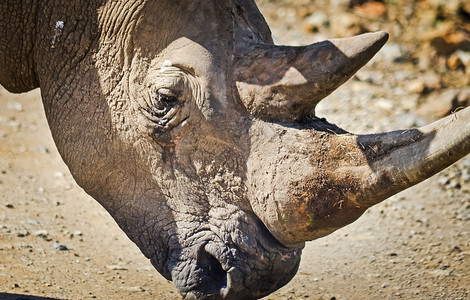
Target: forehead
x,y
160,24
188,55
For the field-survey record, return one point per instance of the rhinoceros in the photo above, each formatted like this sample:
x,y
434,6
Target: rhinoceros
x,y
198,134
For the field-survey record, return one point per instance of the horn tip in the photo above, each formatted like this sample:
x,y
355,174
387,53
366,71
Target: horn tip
x,y
382,36
375,38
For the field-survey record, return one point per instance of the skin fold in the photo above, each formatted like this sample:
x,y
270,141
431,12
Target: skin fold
x,y
199,136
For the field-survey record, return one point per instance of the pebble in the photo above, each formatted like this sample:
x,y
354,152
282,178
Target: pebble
x,y
413,118
22,233
464,97
410,120
416,86
41,233
60,247
439,104
345,24
133,289
384,104
441,272
370,76
14,123
459,59
371,10
431,80
42,149
31,222
317,20
116,268
390,53
15,106
59,174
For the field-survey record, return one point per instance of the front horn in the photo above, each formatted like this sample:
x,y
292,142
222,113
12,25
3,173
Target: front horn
x,y
284,83
322,179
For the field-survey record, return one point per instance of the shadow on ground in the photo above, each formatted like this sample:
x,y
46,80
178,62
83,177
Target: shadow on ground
x,y
6,296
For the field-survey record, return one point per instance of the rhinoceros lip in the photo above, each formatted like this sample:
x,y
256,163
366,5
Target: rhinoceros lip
x,y
226,281
226,269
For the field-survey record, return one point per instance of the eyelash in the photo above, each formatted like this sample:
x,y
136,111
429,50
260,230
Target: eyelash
x,y
162,104
161,108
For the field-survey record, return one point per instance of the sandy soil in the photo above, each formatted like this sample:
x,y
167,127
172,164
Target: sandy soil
x,y
57,242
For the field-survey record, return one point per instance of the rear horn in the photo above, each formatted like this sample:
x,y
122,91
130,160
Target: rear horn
x,y
284,83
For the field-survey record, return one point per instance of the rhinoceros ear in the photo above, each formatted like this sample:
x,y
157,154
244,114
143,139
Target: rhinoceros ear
x,y
284,83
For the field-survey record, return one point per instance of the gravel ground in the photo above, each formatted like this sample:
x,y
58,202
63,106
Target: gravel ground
x,y
57,242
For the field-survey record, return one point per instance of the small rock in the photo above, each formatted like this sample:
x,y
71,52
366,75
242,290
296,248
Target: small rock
x,y
463,214
316,21
390,53
42,149
41,233
58,174
31,222
14,123
10,206
27,246
441,272
60,247
409,120
449,40
415,86
7,247
466,177
443,180
22,233
75,233
116,268
463,99
384,104
371,10
346,24
431,80
133,289
439,104
454,183
369,76
15,106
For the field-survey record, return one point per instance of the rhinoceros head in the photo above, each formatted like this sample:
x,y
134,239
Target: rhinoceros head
x,y
199,136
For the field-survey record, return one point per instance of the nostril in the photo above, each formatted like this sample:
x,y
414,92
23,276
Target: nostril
x,y
217,273
214,277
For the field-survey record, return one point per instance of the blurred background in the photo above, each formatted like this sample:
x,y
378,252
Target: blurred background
x,y
428,54
56,241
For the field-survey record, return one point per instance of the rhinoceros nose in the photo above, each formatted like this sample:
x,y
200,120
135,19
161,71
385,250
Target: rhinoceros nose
x,y
217,270
198,272
212,278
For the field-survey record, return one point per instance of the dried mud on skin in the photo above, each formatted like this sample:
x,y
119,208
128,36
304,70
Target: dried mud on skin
x,y
57,242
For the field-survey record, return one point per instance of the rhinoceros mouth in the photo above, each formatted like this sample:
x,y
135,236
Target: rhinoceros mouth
x,y
217,269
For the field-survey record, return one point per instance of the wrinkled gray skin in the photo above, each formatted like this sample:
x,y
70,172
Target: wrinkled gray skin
x,y
197,134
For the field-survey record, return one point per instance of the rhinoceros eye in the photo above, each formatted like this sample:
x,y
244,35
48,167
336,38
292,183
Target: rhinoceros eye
x,y
163,102
163,107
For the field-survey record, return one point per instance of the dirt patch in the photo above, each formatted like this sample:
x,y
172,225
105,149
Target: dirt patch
x,y
57,242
